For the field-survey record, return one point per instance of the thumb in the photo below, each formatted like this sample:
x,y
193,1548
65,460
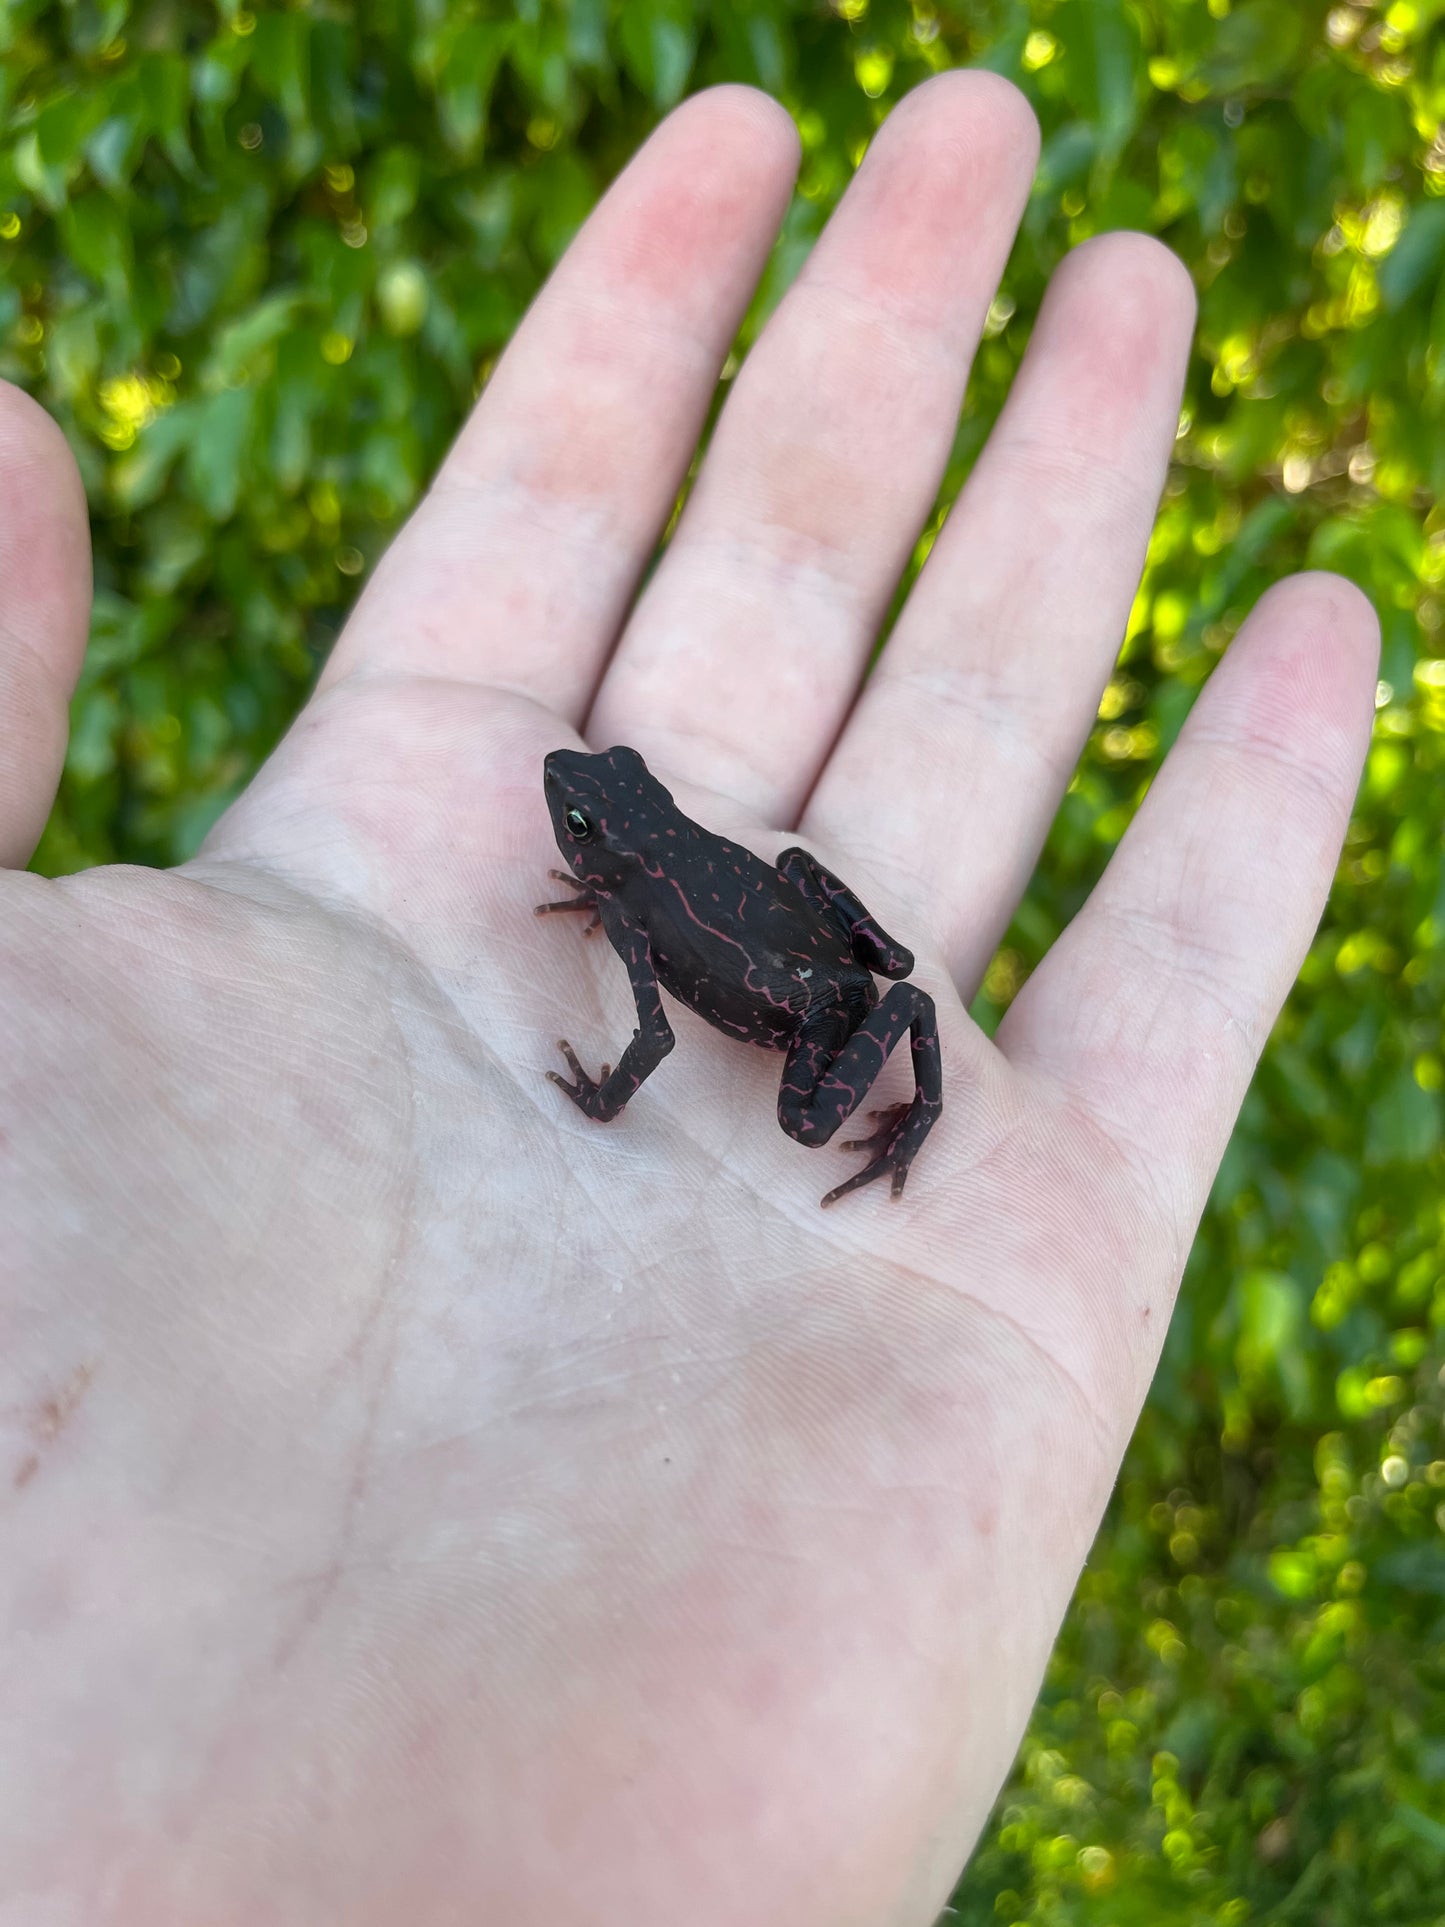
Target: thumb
x,y
44,613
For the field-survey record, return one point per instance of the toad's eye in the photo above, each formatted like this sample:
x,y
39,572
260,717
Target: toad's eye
x,y
579,825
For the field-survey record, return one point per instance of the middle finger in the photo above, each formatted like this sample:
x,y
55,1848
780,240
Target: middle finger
x,y
744,652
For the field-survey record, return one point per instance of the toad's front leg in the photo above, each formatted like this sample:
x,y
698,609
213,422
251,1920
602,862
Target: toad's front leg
x,y
586,899
651,1041
830,1071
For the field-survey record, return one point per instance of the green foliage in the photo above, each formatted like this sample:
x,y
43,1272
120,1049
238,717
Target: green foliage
x,y
257,263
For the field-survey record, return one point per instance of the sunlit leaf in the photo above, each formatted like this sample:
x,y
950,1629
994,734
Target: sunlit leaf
x,y
1418,255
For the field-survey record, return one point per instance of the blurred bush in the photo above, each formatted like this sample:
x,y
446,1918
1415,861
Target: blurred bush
x,y
257,263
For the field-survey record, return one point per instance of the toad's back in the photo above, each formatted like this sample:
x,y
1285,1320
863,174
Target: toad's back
x,y
737,942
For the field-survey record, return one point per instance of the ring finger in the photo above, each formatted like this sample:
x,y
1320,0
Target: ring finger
x,y
955,759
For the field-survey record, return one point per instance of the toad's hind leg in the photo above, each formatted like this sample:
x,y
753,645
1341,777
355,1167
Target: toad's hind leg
x,y
867,939
830,1071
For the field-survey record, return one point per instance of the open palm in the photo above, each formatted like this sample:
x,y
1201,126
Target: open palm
x,y
418,1503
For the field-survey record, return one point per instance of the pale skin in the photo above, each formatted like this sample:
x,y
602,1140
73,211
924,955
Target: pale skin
x,y
419,1503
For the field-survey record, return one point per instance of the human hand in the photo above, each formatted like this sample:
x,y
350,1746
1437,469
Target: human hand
x,y
421,1503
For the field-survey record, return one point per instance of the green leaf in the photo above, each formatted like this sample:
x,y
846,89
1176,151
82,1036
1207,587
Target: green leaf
x,y
1377,135
298,397
392,184
281,63
46,183
216,448
114,151
658,39
1253,45
769,50
141,474
1004,53
1065,157
97,239
1404,1125
63,127
95,724
1271,1323
1105,68
1416,257
244,339
569,197
1418,1568
333,84
166,88
1431,1831
75,349
587,32
464,89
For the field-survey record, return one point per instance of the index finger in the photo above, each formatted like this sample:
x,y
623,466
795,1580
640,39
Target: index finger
x,y
517,568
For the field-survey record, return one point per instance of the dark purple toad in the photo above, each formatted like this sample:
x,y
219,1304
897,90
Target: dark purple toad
x,y
778,956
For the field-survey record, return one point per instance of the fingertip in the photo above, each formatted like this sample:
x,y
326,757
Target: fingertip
x,y
925,227
737,136
984,99
762,123
29,432
1139,273
713,179
1012,109
44,541
1110,349
1332,609
45,579
1320,641
970,121
1296,687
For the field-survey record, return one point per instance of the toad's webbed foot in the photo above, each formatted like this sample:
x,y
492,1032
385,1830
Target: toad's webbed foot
x,y
901,1130
889,1116
829,1071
